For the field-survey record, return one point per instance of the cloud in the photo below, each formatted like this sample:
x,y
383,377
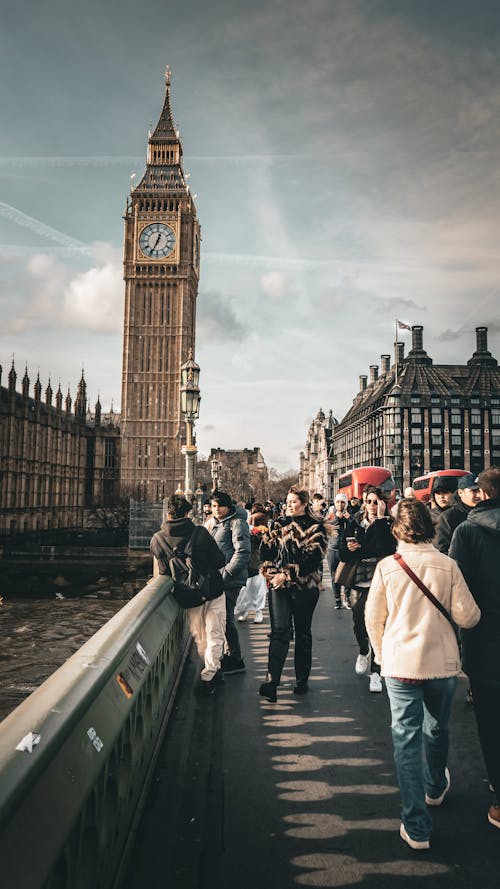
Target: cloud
x,y
276,285
94,300
216,318
47,292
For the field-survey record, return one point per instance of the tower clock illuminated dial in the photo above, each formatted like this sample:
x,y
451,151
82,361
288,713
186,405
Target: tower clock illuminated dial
x,y
157,240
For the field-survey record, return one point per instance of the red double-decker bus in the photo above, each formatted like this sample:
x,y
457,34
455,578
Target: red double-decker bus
x,y
352,483
424,484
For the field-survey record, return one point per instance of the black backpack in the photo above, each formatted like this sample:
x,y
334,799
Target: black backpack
x,y
192,587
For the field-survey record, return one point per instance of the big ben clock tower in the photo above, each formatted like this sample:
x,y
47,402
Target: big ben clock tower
x,y
161,271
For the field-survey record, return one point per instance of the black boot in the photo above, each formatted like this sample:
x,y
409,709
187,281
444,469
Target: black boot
x,y
269,690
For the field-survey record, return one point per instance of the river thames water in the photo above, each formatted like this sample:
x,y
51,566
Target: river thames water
x,y
37,634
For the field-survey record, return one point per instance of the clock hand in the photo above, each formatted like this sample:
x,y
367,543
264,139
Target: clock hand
x,y
157,240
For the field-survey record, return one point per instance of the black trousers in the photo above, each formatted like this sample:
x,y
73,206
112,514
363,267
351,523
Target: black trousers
x,y
358,602
291,609
487,709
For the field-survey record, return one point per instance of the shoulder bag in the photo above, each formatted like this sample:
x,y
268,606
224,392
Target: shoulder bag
x,y
440,607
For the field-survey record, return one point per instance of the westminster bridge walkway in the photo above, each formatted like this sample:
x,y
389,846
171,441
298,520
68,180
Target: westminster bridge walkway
x,y
244,793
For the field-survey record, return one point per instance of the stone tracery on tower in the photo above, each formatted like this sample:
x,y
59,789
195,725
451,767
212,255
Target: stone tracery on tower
x,y
161,271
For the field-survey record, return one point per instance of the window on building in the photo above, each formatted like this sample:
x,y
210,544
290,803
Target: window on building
x,y
436,416
416,436
495,416
436,437
456,417
475,437
416,415
415,399
456,438
475,416
109,453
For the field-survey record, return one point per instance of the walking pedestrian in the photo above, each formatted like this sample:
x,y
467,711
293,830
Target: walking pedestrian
x,y
476,547
207,622
252,596
365,542
292,554
336,522
229,527
463,500
408,617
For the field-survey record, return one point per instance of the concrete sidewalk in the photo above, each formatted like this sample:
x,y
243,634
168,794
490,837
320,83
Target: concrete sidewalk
x,y
251,795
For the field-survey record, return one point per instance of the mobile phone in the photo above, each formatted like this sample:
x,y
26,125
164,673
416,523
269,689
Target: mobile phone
x,y
351,539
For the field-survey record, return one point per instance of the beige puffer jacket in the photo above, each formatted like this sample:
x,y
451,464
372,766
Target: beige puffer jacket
x,y
409,636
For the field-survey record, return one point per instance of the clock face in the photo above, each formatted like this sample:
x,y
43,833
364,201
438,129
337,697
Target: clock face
x,y
157,240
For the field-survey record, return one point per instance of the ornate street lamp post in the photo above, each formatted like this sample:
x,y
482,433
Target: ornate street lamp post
x,y
190,408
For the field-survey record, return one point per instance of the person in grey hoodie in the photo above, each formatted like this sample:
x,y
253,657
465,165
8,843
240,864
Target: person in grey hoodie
x,y
229,527
475,546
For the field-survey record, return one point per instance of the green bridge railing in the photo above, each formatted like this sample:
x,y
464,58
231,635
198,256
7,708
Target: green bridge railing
x,y
77,755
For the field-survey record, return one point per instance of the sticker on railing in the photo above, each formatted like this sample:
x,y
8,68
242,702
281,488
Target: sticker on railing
x,y
94,737
132,674
125,687
28,742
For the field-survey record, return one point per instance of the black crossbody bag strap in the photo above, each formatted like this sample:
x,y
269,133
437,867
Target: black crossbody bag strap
x,y
440,607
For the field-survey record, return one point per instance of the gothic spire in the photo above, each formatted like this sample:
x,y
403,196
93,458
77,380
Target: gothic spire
x,y
48,394
26,383
59,398
12,377
38,387
165,130
164,171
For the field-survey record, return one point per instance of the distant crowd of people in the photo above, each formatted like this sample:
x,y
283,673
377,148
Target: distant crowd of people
x,y
421,580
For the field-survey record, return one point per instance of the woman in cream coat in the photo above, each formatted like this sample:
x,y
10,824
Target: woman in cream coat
x,y
418,652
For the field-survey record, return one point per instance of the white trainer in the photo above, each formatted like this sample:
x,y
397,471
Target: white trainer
x,y
375,682
243,616
439,799
363,663
413,844
258,617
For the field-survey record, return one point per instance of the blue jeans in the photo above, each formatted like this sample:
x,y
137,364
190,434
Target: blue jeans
x,y
420,714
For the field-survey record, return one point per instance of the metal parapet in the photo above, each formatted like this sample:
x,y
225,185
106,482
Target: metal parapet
x,y
77,755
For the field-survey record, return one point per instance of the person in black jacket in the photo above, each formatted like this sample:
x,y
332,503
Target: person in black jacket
x,y
464,499
207,622
475,546
292,556
366,541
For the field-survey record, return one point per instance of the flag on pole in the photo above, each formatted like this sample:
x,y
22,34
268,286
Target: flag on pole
x,y
403,326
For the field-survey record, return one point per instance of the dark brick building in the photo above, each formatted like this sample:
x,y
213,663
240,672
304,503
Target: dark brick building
x,y
57,464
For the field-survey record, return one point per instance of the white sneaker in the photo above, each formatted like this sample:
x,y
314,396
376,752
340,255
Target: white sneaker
x,y
243,616
375,682
258,617
413,844
363,663
439,799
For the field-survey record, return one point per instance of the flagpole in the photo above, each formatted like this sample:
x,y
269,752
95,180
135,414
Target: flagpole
x,y
396,354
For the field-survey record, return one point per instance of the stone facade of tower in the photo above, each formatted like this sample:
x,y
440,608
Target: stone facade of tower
x,y
161,271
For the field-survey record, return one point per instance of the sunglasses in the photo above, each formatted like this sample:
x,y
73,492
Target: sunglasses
x,y
371,501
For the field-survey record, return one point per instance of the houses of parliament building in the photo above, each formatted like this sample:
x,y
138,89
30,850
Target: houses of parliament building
x,y
59,459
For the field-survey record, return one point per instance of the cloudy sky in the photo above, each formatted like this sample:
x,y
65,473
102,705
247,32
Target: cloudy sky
x,y
345,158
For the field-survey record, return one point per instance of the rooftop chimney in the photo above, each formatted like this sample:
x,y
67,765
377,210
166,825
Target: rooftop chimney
x,y
362,382
482,355
373,373
399,353
417,338
385,363
481,339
